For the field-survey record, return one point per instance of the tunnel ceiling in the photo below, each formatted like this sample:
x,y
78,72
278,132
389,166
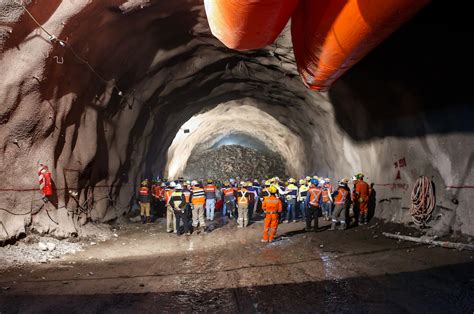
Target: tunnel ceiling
x,y
105,110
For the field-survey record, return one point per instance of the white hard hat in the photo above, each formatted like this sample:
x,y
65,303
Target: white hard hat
x,y
194,182
353,178
172,184
178,186
321,182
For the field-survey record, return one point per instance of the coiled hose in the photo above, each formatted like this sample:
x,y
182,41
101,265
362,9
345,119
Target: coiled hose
x,y
423,201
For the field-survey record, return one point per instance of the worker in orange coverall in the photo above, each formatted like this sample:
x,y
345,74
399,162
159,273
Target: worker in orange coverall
x,y
272,207
362,193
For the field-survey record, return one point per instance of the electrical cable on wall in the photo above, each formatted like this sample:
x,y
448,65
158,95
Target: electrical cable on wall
x,y
423,201
52,38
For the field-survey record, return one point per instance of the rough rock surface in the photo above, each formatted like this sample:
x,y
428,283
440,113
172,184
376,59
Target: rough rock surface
x,y
231,161
103,125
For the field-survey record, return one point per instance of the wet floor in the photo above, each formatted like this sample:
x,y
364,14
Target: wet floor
x,y
229,271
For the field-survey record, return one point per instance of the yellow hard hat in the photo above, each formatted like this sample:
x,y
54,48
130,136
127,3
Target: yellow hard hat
x,y
291,180
268,183
210,181
302,181
272,189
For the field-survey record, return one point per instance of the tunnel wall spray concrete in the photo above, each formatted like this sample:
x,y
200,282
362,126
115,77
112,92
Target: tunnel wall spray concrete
x,y
102,135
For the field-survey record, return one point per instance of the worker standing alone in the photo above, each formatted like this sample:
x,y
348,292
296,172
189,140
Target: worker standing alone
x,y
272,208
144,200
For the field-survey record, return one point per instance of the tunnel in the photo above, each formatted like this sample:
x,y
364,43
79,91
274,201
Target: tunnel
x,y
109,93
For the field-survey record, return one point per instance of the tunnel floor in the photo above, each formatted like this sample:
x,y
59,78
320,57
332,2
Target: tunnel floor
x,y
229,271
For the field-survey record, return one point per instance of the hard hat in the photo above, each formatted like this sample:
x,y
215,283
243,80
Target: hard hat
x,y
308,178
359,176
272,189
226,183
194,182
178,186
276,179
291,180
327,180
321,182
268,183
145,182
172,184
314,181
344,181
163,185
209,181
188,182
302,181
249,183
354,178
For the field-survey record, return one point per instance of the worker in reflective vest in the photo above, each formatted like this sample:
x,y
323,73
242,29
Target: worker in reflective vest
x,y
243,205
291,196
144,201
342,201
178,203
312,205
229,200
362,197
211,196
198,199
302,191
272,208
326,199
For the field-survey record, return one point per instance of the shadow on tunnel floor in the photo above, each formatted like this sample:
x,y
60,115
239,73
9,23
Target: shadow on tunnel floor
x,y
446,289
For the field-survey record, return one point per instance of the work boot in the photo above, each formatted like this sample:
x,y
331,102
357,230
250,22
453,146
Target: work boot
x,y
143,219
343,226
148,220
333,226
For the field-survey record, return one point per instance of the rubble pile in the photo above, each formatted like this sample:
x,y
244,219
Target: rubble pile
x,y
35,249
231,161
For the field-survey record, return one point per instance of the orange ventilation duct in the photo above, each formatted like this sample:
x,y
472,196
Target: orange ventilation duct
x,y
248,24
330,36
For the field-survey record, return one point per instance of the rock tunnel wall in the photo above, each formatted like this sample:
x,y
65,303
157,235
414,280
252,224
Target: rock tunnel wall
x,y
104,110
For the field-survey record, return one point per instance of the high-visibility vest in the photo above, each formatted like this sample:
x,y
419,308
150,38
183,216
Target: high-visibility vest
x,y
168,193
303,191
143,191
292,192
314,196
242,197
228,192
210,191
341,196
326,195
198,196
176,198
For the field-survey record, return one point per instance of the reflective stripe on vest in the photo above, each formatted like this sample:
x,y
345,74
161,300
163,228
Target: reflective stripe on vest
x,y
314,196
143,191
243,199
341,196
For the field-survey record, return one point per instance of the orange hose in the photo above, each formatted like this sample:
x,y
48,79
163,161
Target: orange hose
x,y
248,24
330,36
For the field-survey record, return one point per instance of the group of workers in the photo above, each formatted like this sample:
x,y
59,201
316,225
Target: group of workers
x,y
191,203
